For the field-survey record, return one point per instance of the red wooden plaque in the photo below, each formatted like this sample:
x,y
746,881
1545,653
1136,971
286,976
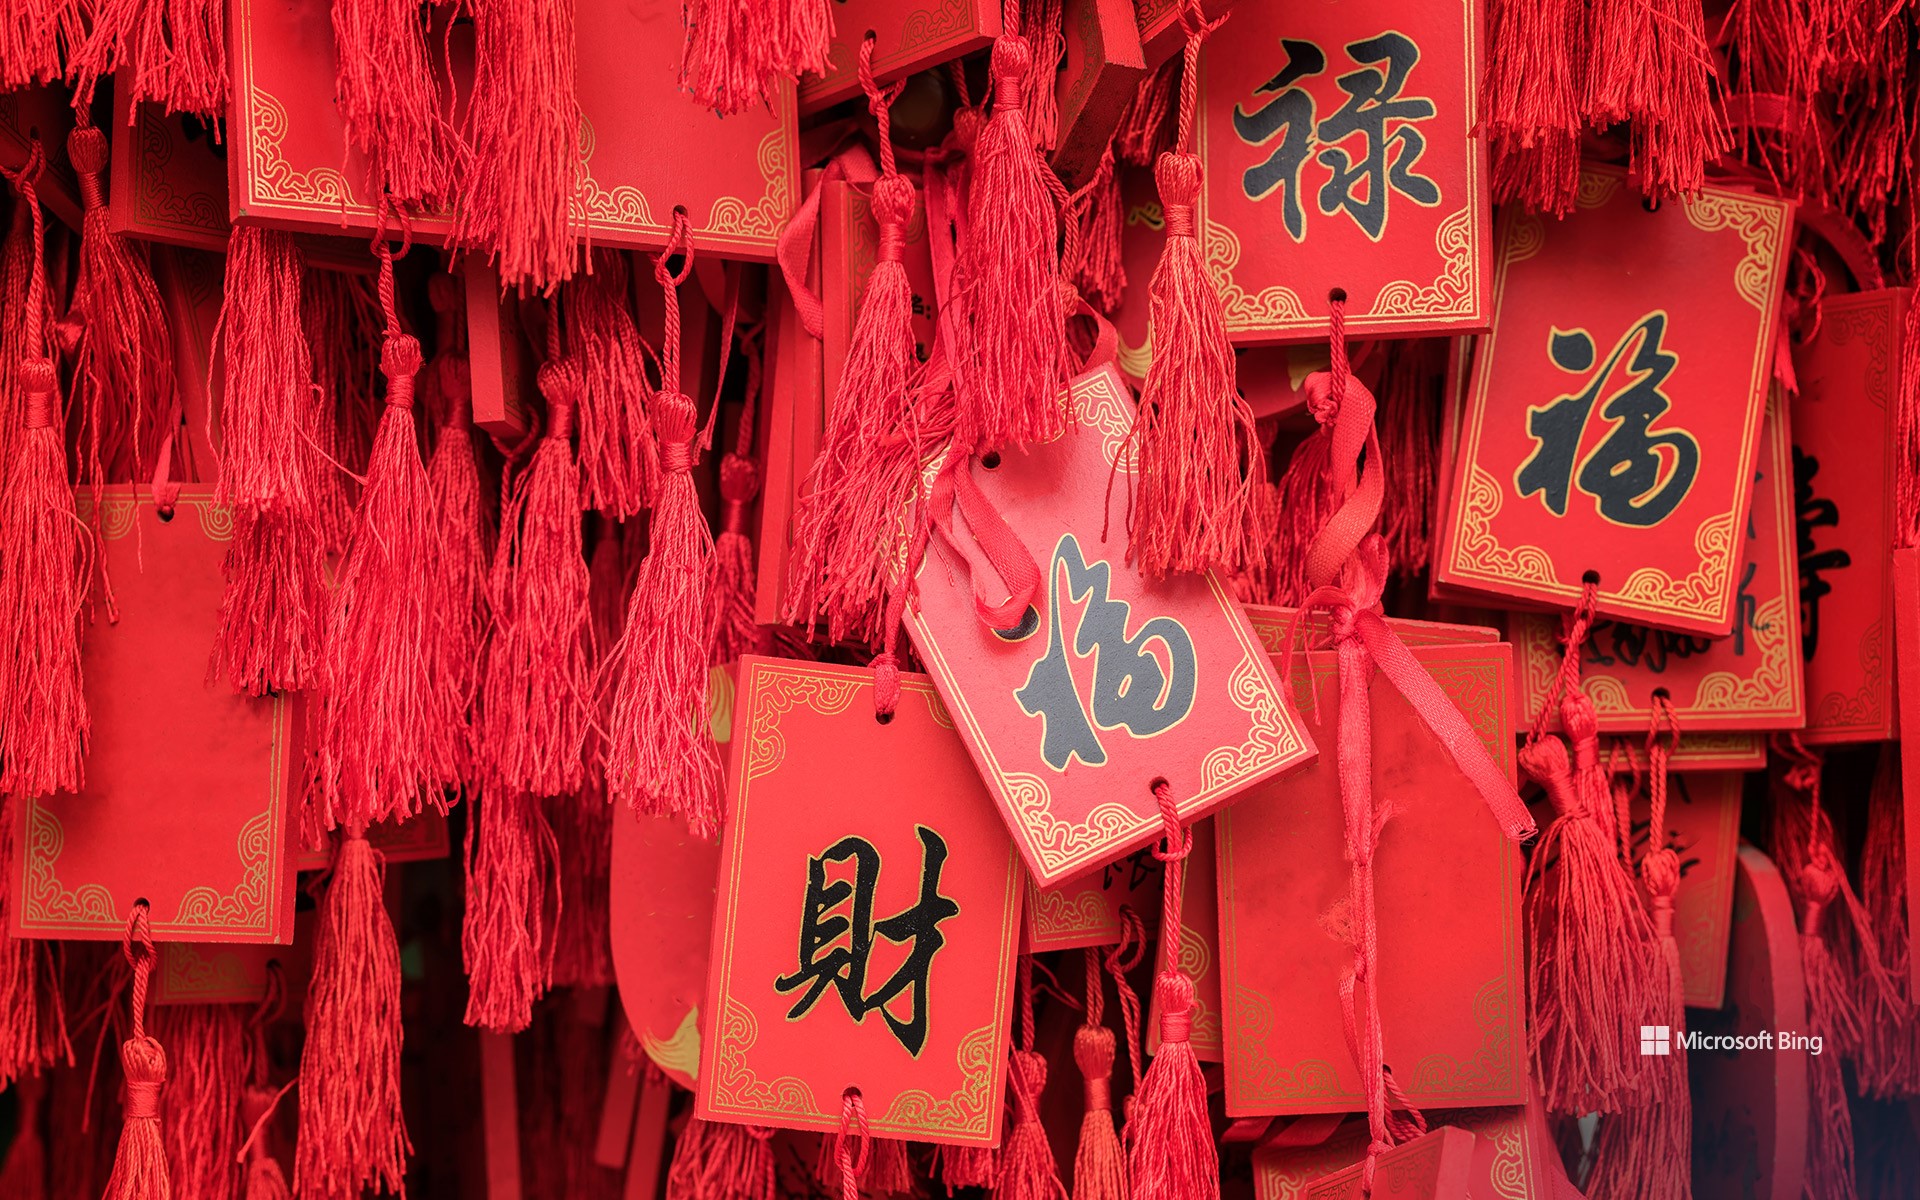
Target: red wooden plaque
x,y
1613,415
1110,682
1339,151
867,919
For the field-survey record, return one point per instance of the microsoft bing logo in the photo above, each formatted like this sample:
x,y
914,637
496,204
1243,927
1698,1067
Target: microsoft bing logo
x,y
1656,1039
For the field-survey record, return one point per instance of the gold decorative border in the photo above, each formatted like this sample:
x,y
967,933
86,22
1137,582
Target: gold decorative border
x,y
1867,715
742,224
1515,1173
48,907
938,24
1771,692
156,205
1057,919
1864,716
969,1114
1479,556
1446,300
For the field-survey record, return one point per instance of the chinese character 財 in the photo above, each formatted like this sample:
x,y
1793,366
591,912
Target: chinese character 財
x,y
1371,145
837,933
1132,688
1637,475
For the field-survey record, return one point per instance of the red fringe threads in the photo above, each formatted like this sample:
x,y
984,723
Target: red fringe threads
x,y
539,681
353,1133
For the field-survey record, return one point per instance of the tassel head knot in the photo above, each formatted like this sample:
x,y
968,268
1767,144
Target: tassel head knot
x,y
1174,993
562,385
87,151
1179,177
673,423
400,361
893,210
1661,872
38,379
1093,1054
145,1064
1012,60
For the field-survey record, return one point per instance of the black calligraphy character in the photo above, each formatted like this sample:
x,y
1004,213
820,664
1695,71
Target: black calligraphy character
x,y
1813,512
1139,867
1132,688
1637,475
1373,107
1292,111
837,931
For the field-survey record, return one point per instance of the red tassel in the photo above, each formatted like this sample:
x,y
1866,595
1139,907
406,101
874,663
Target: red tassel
x,y
1651,65
512,892
1647,1149
178,50
1049,46
619,468
1027,1170
200,1114
267,388
1099,1165
123,365
525,120
44,723
716,1160
388,735
1591,947
458,571
1834,1017
738,50
660,755
889,1169
852,508
385,90
32,33
1532,89
270,615
140,1161
1097,271
1010,285
1194,433
538,681
353,1134
1170,1149
735,631
965,1167
16,269
1171,1154
1847,987
271,623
